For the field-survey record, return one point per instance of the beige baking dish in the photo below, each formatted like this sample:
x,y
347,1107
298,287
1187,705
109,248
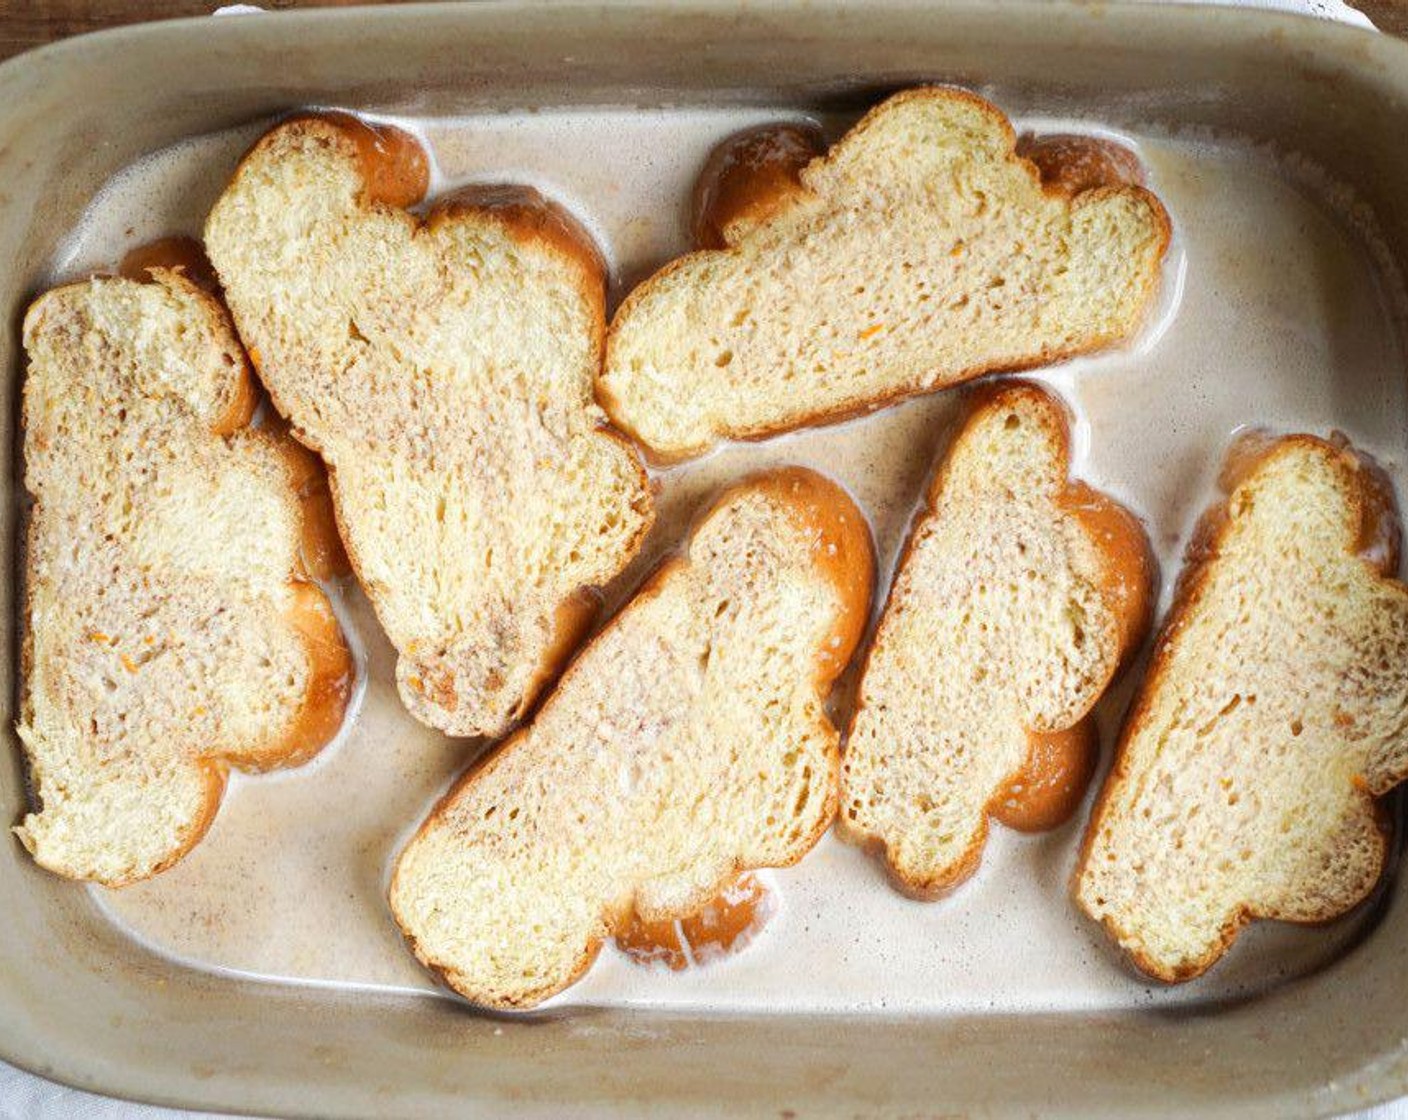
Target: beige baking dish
x,y
83,1002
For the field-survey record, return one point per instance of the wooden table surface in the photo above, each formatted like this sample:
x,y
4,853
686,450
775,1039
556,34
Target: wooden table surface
x,y
29,23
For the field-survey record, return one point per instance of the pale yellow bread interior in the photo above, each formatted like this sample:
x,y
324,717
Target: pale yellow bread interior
x,y
1019,594
921,251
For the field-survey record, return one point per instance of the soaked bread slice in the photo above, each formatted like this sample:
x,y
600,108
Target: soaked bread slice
x,y
169,630
921,251
443,368
1274,712
1019,594
687,742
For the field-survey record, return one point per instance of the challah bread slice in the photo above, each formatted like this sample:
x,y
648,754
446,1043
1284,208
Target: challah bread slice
x,y
687,742
443,368
920,252
1019,595
1274,712
169,629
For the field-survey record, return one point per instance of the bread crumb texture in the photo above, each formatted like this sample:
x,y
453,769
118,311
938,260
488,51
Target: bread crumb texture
x,y
1018,595
443,368
689,741
920,252
168,630
1275,711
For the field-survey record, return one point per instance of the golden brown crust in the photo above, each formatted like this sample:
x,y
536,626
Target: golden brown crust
x,y
172,260
843,548
394,174
1052,781
932,888
749,178
1074,163
1245,915
572,623
1378,523
330,668
924,93
326,694
1380,537
529,217
1058,770
324,557
722,926
180,254
244,399
825,510
215,773
395,170
772,193
1132,574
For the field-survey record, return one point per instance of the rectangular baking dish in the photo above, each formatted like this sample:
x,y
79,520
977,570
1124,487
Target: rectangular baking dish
x,y
82,1002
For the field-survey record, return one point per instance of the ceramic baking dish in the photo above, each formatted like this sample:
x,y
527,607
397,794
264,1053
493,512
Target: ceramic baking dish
x,y
106,995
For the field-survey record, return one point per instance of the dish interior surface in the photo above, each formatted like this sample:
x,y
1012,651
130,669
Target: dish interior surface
x,y
1278,309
